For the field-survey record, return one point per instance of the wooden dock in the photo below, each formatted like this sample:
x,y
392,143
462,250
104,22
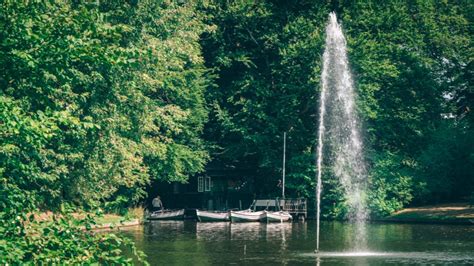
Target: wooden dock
x,y
298,207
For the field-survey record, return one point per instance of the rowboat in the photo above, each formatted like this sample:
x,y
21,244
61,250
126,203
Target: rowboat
x,y
278,216
166,215
246,216
207,216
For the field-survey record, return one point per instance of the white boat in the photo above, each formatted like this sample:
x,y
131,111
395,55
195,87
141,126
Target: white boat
x,y
278,216
209,216
166,215
246,216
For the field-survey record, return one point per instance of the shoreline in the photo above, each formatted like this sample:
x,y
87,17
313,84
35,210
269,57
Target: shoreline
x,y
442,214
425,221
449,213
408,221
116,226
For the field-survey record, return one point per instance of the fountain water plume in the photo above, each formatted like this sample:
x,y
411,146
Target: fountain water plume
x,y
339,131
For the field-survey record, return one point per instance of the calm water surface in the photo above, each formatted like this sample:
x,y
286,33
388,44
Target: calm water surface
x,y
191,243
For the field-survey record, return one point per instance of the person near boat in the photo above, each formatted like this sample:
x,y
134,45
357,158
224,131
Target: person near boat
x,y
158,212
157,204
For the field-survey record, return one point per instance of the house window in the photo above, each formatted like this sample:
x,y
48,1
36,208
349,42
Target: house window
x,y
200,184
208,184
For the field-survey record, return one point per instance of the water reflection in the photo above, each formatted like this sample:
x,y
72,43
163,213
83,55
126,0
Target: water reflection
x,y
184,242
247,231
219,231
362,258
163,228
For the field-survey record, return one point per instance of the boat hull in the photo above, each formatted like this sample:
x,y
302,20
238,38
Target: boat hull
x,y
206,216
280,216
245,216
167,215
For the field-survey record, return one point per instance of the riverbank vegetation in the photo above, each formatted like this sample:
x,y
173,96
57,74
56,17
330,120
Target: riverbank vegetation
x,y
100,98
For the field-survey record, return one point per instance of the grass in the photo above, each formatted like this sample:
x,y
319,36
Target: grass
x,y
136,213
111,219
454,212
107,219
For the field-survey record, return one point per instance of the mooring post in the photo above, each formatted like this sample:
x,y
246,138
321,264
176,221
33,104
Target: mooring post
x,y
284,162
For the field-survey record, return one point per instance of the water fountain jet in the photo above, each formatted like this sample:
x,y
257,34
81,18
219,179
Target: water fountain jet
x,y
339,131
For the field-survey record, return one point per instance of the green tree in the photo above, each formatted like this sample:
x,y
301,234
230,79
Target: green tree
x,y
265,56
96,100
411,62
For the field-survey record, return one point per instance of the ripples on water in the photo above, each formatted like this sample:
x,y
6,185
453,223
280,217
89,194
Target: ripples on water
x,y
185,242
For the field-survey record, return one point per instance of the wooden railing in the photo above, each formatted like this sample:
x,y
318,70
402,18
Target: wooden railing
x,y
294,206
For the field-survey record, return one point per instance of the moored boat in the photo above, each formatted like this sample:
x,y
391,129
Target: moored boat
x,y
208,216
278,216
246,216
166,215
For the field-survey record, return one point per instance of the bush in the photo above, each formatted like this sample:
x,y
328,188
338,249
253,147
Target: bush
x,y
390,184
59,239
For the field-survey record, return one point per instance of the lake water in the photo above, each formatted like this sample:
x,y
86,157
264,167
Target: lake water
x,y
191,243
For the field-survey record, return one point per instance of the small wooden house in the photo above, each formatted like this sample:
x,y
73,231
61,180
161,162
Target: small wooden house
x,y
216,189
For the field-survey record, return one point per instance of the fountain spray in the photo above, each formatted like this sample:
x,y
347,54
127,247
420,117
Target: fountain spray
x,y
339,128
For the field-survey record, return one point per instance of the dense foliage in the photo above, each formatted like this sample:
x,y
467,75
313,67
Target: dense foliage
x,y
412,62
266,58
99,98
62,239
